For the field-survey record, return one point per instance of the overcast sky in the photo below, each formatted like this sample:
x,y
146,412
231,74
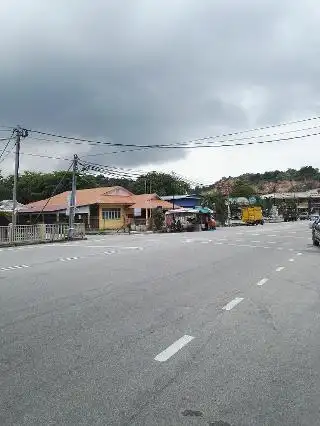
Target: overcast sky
x,y
161,71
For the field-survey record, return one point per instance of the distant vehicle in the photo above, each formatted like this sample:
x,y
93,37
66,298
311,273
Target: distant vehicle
x,y
316,233
303,216
252,216
313,218
290,214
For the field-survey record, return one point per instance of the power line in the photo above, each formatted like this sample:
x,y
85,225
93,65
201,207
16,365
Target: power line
x,y
230,140
6,146
75,139
7,154
55,190
45,156
215,144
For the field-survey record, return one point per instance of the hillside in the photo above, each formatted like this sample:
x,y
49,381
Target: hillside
x,y
290,180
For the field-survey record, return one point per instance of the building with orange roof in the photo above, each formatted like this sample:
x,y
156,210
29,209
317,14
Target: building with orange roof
x,y
99,208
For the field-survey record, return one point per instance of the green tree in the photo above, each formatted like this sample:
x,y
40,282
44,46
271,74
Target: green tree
x,y
161,184
242,189
308,172
217,202
158,218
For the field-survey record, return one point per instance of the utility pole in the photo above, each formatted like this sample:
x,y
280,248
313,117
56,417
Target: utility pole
x,y
19,133
72,210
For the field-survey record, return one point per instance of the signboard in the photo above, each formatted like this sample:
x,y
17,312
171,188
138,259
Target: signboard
x,y
137,212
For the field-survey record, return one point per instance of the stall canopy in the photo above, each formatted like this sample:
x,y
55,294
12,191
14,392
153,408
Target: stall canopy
x,y
203,210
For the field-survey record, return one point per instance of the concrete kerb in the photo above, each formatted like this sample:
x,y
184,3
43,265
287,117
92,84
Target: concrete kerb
x,y
32,243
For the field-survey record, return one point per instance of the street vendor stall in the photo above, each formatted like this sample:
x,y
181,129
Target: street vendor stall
x,y
206,218
178,220
184,219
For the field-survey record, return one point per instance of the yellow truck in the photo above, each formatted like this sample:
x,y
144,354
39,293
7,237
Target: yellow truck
x,y
252,215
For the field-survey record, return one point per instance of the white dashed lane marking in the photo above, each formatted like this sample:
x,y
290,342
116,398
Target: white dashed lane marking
x,y
232,304
174,348
263,281
109,252
65,259
280,268
10,268
291,260
299,254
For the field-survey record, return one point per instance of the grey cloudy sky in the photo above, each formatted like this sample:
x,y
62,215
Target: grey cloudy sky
x,y
149,72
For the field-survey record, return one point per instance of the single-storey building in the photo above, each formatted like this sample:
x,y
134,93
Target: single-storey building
x,y
186,201
99,208
308,201
6,207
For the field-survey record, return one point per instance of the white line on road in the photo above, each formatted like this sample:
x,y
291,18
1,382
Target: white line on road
x,y
272,235
291,260
109,252
10,268
280,268
255,241
291,249
233,303
280,248
299,254
174,348
263,281
65,259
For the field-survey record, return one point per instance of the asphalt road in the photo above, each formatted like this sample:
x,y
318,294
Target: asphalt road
x,y
210,328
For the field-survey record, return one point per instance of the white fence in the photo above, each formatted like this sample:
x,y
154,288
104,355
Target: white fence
x,y
38,233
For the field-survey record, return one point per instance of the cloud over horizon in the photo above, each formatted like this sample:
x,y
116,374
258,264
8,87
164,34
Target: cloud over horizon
x,y
150,72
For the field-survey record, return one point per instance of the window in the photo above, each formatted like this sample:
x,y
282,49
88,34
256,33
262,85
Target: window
x,y
111,214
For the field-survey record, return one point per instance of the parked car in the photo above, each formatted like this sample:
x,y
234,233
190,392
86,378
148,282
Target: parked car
x,y
312,220
303,216
316,233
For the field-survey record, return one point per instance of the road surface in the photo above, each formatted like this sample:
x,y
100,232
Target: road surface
x,y
208,328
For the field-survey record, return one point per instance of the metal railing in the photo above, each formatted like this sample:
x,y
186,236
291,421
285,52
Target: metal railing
x,y
38,233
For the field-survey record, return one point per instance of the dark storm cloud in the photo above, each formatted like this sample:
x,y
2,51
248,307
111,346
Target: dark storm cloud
x,y
151,72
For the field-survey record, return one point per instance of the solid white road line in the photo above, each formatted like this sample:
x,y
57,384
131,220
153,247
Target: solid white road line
x,y
174,348
263,281
280,268
233,303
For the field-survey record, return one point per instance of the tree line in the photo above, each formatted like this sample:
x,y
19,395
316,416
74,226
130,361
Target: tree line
x,y
304,173
35,186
